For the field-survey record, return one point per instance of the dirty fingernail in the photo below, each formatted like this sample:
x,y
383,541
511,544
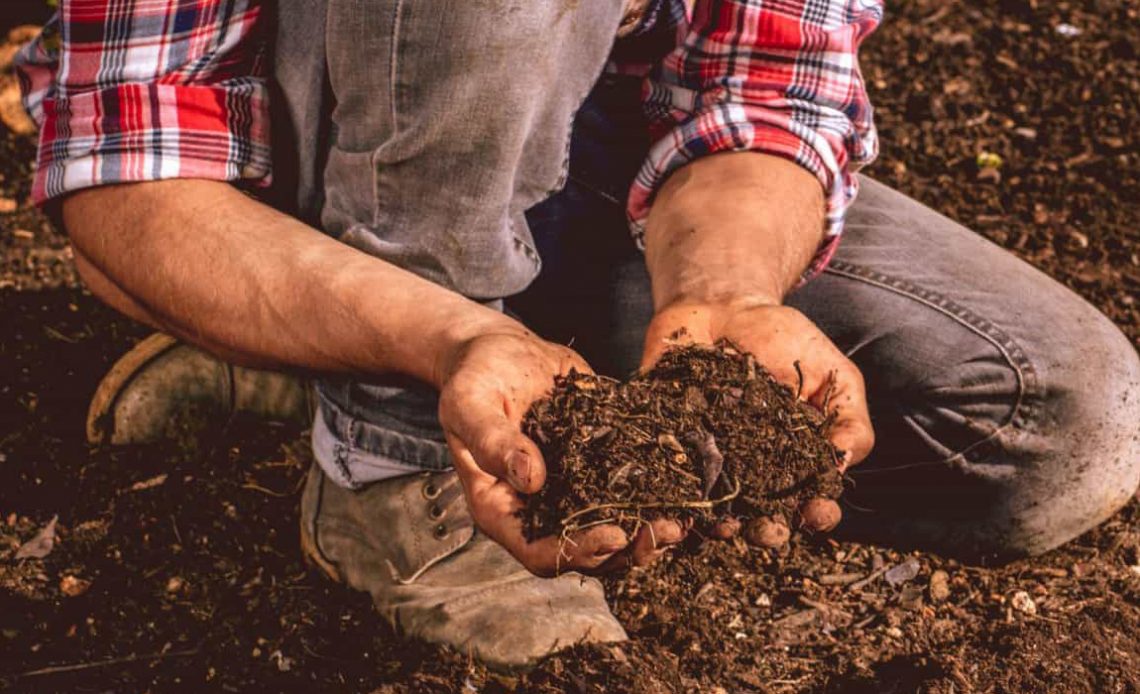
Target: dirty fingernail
x,y
820,514
767,532
726,528
518,470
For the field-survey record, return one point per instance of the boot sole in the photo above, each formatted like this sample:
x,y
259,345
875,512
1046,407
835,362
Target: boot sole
x,y
100,415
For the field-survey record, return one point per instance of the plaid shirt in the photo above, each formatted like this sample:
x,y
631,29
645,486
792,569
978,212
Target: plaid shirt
x,y
134,91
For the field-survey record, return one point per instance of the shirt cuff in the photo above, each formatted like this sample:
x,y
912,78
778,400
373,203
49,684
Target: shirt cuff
x,y
741,128
148,132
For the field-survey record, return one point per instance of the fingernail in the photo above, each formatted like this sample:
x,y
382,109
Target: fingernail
x,y
518,470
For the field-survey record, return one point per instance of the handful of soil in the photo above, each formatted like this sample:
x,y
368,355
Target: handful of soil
x,y
707,434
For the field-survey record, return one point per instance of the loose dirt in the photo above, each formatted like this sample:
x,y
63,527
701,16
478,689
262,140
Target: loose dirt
x,y
175,573
704,434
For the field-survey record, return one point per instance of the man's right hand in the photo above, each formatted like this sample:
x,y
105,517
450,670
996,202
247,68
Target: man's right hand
x,y
488,384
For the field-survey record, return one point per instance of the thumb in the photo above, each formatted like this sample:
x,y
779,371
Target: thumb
x,y
496,446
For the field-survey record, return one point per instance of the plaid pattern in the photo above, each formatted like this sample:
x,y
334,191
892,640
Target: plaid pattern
x,y
774,76
142,90
134,90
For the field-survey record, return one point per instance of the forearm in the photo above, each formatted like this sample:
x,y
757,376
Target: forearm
x,y
214,267
735,227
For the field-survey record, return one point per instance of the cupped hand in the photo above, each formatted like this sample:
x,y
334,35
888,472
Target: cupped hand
x,y
792,349
488,384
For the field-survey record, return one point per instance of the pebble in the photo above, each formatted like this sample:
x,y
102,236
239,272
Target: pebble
x,y
903,572
1021,602
73,586
939,586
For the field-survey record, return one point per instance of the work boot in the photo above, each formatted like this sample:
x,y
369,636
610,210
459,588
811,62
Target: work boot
x,y
165,390
410,543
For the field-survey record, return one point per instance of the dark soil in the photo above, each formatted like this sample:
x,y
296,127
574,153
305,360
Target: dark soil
x,y
703,434
178,573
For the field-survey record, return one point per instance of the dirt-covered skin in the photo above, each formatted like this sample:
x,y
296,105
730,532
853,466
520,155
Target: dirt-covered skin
x,y
196,583
705,433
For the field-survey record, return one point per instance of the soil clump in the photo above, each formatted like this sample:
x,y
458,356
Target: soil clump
x,y
706,432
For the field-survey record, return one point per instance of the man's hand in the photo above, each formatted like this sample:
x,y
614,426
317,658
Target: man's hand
x,y
489,383
728,236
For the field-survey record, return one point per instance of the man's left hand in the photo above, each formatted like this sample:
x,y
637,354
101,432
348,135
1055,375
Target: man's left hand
x,y
779,337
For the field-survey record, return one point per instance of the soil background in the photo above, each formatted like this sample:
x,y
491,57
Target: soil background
x,y
177,572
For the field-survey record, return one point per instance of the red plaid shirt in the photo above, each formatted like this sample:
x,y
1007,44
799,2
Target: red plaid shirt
x,y
139,90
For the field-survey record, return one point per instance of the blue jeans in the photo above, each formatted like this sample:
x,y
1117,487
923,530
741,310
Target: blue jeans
x,y
1006,408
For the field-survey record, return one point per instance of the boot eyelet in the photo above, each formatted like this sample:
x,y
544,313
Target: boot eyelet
x,y
431,491
435,512
440,531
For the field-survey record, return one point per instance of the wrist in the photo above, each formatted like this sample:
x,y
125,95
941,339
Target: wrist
x,y
727,300
463,328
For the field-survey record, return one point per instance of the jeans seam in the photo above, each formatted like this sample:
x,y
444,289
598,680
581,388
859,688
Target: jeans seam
x,y
1027,378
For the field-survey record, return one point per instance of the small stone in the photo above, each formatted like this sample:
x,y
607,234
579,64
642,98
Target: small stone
x,y
1026,133
175,584
939,586
73,586
8,205
1135,568
1067,30
284,664
894,632
1021,602
901,573
763,600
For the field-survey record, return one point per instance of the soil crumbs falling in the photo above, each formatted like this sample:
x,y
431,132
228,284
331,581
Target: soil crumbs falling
x,y
175,573
705,432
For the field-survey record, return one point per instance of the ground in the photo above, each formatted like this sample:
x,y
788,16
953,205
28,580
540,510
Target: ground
x,y
176,571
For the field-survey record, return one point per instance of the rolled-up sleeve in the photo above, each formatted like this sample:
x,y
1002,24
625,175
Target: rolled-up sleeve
x,y
142,91
778,77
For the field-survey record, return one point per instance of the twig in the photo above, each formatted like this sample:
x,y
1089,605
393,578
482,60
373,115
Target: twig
x,y
635,506
859,585
177,534
258,488
840,579
799,379
76,667
824,607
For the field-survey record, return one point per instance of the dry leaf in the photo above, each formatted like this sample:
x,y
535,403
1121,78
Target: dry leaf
x,y
41,545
